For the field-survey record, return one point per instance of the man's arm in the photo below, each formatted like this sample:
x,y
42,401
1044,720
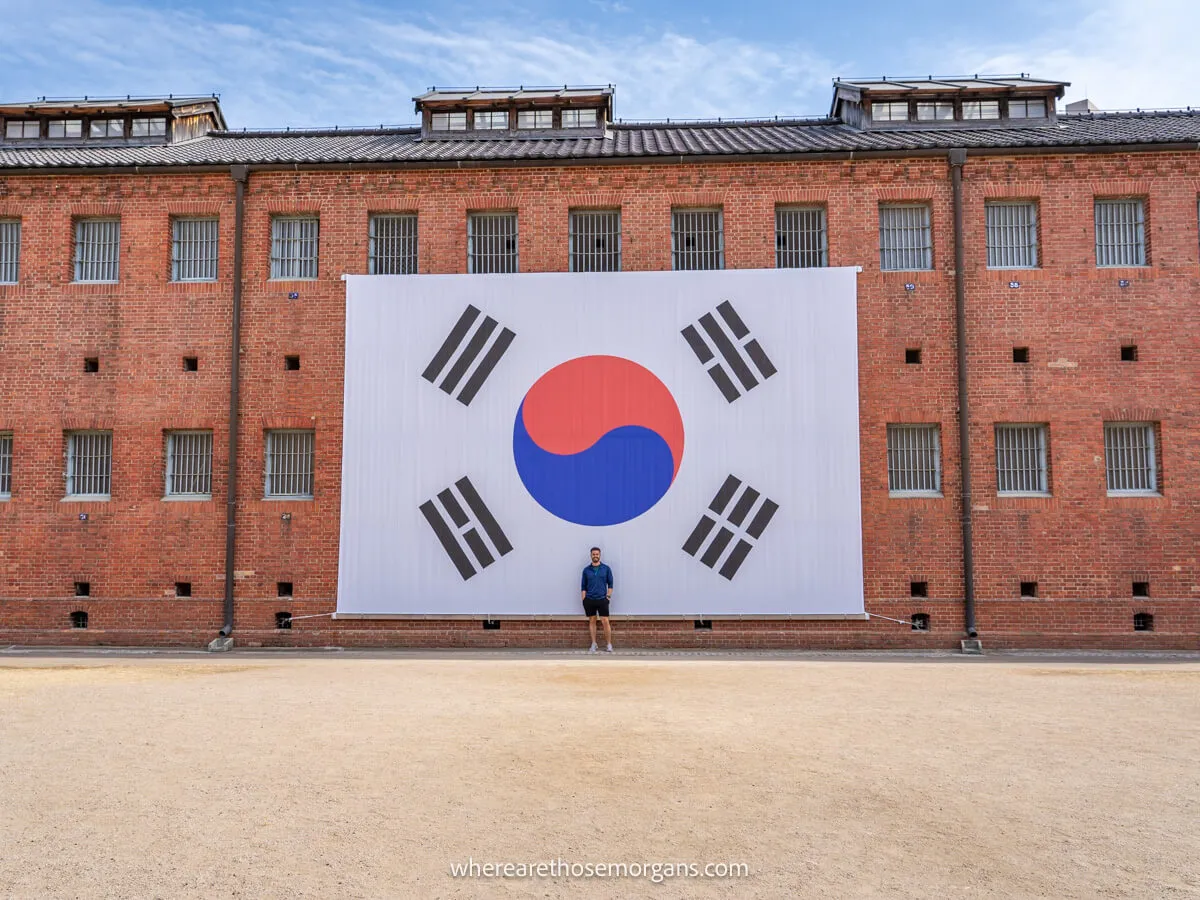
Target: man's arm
x,y
583,585
608,578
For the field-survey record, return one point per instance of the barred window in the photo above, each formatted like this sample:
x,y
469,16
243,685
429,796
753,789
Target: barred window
x,y
1027,109
64,128
981,109
697,239
194,250
492,242
22,129
579,118
1021,459
1120,233
10,250
1129,458
491,121
149,127
905,237
941,109
595,240
89,464
1012,238
448,121
535,118
801,241
189,463
393,245
290,464
6,450
99,128
294,241
890,112
97,249
914,454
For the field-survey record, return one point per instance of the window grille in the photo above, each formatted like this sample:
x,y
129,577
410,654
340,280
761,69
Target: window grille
x,y
1120,233
579,118
535,118
89,464
801,241
22,129
492,242
189,463
491,121
928,112
914,456
697,239
6,450
890,112
981,109
456,121
905,237
595,240
1129,458
64,128
393,245
149,127
97,249
1012,235
10,250
294,242
290,464
99,128
1021,459
194,250
1027,109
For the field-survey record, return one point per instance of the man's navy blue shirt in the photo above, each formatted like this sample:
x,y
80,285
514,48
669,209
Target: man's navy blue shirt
x,y
596,581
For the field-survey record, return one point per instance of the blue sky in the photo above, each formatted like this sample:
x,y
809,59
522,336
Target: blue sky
x,y
307,63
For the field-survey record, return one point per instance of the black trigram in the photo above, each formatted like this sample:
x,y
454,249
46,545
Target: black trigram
x,y
728,339
466,522
731,525
469,336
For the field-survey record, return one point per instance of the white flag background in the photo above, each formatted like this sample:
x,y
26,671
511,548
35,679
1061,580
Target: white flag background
x,y
792,439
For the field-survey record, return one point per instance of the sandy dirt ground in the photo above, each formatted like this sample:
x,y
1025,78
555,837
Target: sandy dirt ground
x,y
328,777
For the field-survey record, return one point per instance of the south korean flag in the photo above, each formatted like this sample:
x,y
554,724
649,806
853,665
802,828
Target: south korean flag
x,y
701,428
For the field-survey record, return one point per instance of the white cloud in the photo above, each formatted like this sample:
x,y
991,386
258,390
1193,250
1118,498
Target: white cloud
x,y
1124,54
361,64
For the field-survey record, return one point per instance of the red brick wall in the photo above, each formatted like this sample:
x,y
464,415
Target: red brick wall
x,y
1082,547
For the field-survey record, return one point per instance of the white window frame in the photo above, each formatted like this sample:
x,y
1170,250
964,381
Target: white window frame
x,y
195,248
903,457
980,110
448,121
104,128
889,111
392,244
1002,232
906,223
298,478
484,256
72,476
535,119
1021,458
154,126
65,128
290,260
935,110
190,442
1023,107
1122,453
491,120
22,129
580,118
797,222
10,251
6,464
1123,240
92,236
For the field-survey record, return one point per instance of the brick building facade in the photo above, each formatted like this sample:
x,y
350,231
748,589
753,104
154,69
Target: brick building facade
x,y
1071,567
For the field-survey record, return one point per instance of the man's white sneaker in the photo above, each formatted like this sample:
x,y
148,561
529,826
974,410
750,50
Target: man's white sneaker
x,y
592,649
608,649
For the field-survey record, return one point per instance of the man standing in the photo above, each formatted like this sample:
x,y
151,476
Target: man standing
x,y
596,591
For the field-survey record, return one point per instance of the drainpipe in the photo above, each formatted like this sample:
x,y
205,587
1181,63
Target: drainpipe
x,y
958,159
240,174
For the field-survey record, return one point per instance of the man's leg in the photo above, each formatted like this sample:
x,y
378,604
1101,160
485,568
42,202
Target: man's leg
x,y
607,632
592,629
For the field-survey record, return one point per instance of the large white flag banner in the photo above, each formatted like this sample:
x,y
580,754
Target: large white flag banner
x,y
701,428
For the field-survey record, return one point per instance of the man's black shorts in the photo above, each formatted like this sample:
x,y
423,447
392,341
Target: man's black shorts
x,y
595,608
